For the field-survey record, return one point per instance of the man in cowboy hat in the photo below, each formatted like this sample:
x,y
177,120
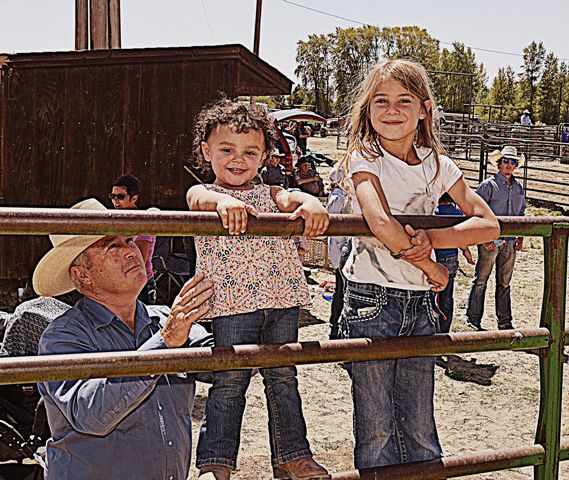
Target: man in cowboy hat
x,y
273,173
505,196
127,428
525,119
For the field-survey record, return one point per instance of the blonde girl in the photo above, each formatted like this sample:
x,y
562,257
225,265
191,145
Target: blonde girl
x,y
259,288
397,167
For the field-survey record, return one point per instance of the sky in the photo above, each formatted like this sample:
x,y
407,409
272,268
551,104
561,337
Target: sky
x,y
500,25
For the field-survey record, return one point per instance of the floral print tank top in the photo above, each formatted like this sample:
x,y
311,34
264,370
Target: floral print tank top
x,y
252,273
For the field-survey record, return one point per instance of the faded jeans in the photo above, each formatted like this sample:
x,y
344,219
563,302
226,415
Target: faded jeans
x,y
393,399
446,297
220,432
504,257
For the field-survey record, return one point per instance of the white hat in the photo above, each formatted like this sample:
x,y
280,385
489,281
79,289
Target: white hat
x,y
526,111
507,152
51,276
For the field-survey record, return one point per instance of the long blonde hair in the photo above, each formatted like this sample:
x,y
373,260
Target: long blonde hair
x,y
362,137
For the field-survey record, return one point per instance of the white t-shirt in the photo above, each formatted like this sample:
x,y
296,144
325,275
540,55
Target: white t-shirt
x,y
409,190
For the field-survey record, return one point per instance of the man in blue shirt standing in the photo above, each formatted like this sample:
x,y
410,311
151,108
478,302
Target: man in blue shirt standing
x,y
449,258
505,196
127,428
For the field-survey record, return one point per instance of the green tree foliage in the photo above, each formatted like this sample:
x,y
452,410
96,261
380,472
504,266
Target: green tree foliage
x,y
412,43
548,91
503,92
314,68
355,51
534,55
454,91
331,66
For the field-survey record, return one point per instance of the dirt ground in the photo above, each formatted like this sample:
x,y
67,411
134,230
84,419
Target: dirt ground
x,y
470,417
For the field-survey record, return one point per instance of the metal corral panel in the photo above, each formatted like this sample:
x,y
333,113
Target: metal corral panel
x,y
71,122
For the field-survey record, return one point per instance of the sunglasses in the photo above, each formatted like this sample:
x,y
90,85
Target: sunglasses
x,y
118,196
513,161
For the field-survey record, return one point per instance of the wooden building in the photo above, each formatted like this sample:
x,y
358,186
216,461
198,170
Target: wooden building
x,y
71,122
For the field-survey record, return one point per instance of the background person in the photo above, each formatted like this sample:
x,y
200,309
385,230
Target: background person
x,y
124,195
337,203
448,258
273,173
505,196
525,119
307,179
259,288
103,427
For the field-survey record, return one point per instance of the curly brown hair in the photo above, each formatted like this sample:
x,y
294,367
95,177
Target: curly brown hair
x,y
239,117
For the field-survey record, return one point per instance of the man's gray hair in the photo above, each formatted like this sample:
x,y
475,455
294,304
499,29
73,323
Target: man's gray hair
x,y
81,260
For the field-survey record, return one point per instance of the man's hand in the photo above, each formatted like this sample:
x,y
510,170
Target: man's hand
x,y
190,305
421,245
233,214
519,244
316,218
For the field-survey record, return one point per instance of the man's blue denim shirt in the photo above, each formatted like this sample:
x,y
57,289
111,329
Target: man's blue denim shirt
x,y
503,198
111,428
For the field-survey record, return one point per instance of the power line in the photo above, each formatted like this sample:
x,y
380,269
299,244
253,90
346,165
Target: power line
x,y
207,20
357,22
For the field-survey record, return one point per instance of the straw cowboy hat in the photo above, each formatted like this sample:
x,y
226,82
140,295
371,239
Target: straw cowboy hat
x,y
51,276
526,111
506,152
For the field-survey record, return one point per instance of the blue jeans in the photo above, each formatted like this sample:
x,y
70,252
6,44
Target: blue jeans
x,y
393,399
504,257
446,297
219,439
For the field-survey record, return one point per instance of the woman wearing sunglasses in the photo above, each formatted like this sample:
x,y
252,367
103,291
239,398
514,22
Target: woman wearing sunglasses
x,y
505,196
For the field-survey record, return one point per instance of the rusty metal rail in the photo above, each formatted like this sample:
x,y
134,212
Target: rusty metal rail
x,y
121,364
36,221
550,338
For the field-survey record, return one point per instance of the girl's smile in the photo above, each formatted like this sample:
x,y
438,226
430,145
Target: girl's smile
x,y
235,157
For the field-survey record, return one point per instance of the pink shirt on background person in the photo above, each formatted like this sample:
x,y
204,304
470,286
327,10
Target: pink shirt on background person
x,y
152,240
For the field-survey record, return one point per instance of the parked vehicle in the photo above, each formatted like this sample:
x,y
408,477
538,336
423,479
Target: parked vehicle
x,y
286,143
332,126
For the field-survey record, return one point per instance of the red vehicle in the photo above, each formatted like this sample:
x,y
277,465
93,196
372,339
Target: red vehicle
x,y
332,126
286,143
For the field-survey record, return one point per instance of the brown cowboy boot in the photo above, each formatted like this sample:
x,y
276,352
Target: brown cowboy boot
x,y
215,472
301,469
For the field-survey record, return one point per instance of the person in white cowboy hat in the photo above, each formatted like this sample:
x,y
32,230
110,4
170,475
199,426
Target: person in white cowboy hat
x,y
127,428
505,196
525,119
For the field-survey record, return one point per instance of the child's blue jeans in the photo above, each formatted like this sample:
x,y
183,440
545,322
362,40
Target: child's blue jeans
x,y
220,432
393,399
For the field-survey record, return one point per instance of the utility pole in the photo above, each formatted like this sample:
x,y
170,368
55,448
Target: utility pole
x,y
257,37
97,24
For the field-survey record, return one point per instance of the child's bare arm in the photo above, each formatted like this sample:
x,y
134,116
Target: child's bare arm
x,y
387,229
233,212
481,227
300,204
377,213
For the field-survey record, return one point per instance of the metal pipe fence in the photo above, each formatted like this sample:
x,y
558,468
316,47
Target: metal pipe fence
x,y
544,175
548,449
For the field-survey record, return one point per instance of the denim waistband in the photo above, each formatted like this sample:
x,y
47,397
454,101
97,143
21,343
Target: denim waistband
x,y
392,292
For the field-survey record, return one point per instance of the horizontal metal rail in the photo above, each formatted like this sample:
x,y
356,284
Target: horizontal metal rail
x,y
36,221
131,363
457,466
